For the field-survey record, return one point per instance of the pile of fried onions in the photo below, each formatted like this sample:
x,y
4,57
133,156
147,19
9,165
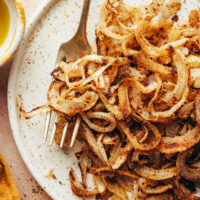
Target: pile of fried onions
x,y
138,99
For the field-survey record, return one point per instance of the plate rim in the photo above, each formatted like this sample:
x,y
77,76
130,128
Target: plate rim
x,y
11,95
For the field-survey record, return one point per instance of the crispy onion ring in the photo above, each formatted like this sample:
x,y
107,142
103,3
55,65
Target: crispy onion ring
x,y
158,88
147,47
130,174
99,184
159,189
119,155
69,106
175,44
126,182
125,46
114,109
98,72
145,136
153,174
173,109
134,73
102,116
128,28
168,9
104,13
62,69
149,88
97,146
110,140
182,80
151,65
84,164
73,66
135,192
78,188
112,73
137,104
115,188
180,91
179,143
150,188
153,83
133,139
80,64
140,112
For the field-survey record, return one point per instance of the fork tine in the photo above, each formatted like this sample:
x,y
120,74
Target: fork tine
x,y
75,132
64,134
53,131
46,127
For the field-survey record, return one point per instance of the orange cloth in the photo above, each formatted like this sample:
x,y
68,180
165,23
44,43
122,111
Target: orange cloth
x,y
8,189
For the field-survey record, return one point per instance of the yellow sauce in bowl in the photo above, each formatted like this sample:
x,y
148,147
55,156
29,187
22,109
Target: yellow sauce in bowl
x,y
4,21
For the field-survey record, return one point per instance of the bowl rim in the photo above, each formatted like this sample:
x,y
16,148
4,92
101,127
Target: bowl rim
x,y
18,35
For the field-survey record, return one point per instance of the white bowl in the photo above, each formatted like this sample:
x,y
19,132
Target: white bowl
x,y
16,31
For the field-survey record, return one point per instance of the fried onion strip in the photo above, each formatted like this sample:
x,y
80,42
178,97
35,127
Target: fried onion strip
x,y
115,188
124,104
150,188
179,143
97,148
173,109
114,109
66,104
151,65
36,111
182,80
153,174
133,139
78,188
102,116
146,46
119,155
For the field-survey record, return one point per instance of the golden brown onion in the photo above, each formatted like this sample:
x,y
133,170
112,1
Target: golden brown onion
x,y
118,155
78,188
115,188
124,104
179,143
96,146
67,104
133,139
152,187
36,111
101,116
153,174
151,65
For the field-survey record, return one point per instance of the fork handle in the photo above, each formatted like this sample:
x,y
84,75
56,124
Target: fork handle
x,y
83,21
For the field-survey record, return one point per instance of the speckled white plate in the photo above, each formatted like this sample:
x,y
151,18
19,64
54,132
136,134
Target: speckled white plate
x,y
54,22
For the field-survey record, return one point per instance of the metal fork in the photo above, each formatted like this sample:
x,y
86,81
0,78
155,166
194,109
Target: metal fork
x,y
75,48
